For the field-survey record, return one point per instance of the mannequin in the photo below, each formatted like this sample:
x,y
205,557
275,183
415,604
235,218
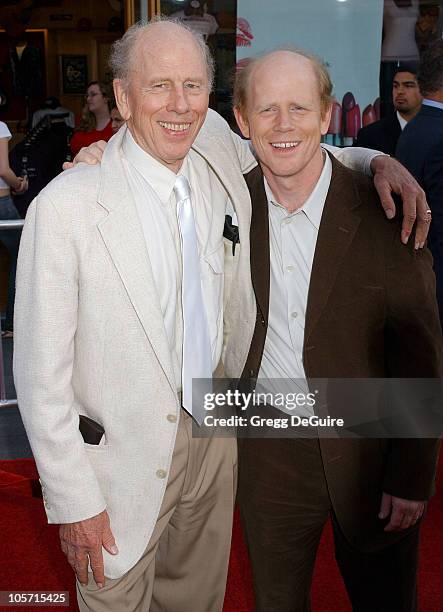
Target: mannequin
x,y
399,20
25,60
195,15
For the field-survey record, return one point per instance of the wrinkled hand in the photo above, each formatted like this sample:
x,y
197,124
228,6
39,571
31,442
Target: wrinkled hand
x,y
390,175
85,539
404,512
89,155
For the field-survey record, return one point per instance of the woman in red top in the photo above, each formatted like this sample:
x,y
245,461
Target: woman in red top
x,y
96,122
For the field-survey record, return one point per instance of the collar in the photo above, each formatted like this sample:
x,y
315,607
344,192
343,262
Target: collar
x,y
433,103
159,177
313,207
403,123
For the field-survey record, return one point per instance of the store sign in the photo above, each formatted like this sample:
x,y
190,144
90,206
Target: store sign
x,y
346,34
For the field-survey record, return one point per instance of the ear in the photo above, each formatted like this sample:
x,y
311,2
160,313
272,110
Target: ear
x,y
121,98
326,120
242,122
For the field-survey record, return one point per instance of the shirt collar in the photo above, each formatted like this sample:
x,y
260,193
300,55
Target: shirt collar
x,y
401,121
159,177
313,207
433,103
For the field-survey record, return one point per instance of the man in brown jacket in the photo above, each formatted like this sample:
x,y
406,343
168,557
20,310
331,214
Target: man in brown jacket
x,y
338,296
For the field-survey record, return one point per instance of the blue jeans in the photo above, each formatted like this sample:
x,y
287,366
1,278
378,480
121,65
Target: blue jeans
x,y
11,240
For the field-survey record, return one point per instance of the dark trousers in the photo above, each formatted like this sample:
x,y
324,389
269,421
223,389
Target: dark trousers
x,y
284,504
11,240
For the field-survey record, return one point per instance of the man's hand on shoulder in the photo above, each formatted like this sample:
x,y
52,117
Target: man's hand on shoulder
x,y
88,155
390,176
403,513
86,539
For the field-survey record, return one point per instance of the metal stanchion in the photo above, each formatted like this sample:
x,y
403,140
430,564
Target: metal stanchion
x,y
11,225
5,403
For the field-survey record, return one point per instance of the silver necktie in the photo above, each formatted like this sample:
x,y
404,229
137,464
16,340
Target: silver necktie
x,y
197,359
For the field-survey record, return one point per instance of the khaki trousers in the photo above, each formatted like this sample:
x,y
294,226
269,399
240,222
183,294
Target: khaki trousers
x,y
184,567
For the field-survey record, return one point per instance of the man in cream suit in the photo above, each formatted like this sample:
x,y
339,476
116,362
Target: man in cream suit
x,y
101,332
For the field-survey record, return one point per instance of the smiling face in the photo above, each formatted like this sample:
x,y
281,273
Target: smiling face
x,y
166,99
283,117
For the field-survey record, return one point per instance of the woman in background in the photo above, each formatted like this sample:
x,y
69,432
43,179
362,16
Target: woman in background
x,y
116,119
96,122
8,212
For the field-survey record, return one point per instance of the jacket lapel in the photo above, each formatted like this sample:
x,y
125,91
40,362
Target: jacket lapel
x,y
260,266
337,229
123,236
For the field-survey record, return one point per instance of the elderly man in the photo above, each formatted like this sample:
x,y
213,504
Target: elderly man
x,y
113,324
328,308
119,306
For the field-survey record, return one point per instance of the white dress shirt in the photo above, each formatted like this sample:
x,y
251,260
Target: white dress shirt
x,y
292,241
152,185
205,24
403,123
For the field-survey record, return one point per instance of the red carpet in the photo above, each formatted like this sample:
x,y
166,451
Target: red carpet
x,y
31,558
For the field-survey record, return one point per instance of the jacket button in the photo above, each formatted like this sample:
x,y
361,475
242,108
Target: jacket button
x,y
251,372
172,418
160,474
262,321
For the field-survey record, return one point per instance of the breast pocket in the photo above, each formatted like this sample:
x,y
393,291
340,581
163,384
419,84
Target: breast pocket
x,y
97,448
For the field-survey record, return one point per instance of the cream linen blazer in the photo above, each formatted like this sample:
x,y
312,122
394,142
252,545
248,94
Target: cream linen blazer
x,y
90,339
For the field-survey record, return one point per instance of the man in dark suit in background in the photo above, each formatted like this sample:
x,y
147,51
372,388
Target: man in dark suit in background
x,y
338,296
420,149
384,134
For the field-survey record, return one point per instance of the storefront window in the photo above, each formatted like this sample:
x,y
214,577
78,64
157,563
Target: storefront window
x,y
362,42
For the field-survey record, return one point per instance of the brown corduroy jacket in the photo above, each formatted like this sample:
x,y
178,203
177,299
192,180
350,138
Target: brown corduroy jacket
x,y
371,313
